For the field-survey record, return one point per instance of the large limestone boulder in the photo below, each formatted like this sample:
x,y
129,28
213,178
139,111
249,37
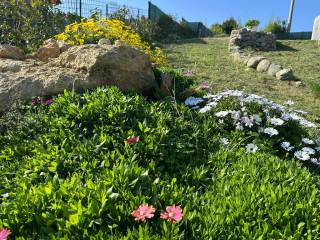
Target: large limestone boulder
x,y
316,29
12,52
79,68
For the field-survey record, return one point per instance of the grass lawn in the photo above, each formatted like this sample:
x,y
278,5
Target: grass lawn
x,y
212,63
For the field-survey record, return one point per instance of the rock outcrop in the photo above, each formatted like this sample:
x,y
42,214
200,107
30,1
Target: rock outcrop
x,y
246,38
11,52
78,68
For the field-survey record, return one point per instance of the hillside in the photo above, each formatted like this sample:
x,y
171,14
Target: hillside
x,y
211,62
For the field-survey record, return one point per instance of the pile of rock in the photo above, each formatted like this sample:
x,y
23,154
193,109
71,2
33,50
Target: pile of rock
x,y
264,65
245,38
57,66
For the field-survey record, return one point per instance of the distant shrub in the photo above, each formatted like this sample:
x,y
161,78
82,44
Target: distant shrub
x,y
217,28
28,25
90,31
252,23
229,25
276,26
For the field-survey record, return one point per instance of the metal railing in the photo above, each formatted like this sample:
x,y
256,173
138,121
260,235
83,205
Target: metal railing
x,y
88,8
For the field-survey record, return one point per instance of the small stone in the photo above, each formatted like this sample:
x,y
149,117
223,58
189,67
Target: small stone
x,y
285,74
120,43
273,69
166,84
239,57
11,52
63,46
299,84
264,65
44,53
254,61
104,41
51,43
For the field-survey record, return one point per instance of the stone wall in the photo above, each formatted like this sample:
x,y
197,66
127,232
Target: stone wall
x,y
245,38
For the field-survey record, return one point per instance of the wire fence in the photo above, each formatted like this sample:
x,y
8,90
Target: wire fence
x,y
102,8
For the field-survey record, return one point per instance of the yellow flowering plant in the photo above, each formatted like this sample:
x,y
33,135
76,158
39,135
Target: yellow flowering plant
x,y
92,30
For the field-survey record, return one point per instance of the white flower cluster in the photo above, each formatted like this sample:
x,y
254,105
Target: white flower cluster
x,y
243,120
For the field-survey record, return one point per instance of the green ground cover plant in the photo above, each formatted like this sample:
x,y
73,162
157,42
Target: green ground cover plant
x,y
78,165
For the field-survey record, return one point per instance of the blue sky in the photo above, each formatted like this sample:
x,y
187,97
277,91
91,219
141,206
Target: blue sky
x,y
212,11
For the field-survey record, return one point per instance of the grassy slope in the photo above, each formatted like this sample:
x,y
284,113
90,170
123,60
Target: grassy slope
x,y
210,59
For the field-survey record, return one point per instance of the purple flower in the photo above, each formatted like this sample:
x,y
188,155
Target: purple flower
x,y
48,102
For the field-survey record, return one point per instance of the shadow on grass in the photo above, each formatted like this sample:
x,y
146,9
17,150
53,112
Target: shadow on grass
x,y
282,47
190,40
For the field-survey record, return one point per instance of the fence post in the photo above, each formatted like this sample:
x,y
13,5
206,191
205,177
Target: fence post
x,y
149,10
107,10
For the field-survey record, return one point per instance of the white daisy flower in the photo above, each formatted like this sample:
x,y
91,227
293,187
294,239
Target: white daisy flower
x,y
257,118
306,123
271,131
252,148
193,101
315,161
222,114
301,112
307,141
308,150
224,141
303,156
247,122
5,195
239,126
287,146
205,109
276,121
289,102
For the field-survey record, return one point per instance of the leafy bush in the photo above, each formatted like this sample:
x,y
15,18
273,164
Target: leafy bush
x,y
229,25
217,28
252,23
276,26
92,30
71,173
27,26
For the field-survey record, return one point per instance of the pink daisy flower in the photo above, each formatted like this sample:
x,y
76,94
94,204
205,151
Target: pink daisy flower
x,y
188,73
133,140
35,102
172,214
142,212
4,233
204,86
48,102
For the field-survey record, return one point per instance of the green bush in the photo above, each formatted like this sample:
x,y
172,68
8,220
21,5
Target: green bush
x,y
27,26
217,28
276,26
229,25
252,23
67,172
164,28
